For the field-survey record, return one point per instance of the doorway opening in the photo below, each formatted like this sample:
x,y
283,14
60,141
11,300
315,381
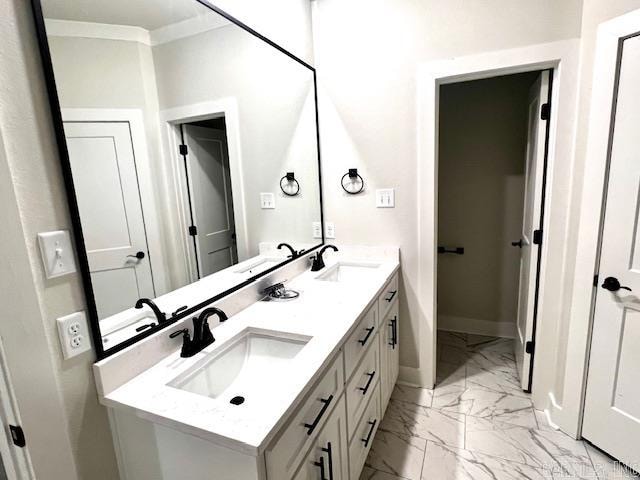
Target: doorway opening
x,y
207,176
492,150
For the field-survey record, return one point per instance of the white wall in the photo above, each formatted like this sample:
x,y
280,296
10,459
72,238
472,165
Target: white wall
x,y
276,121
67,430
367,54
483,139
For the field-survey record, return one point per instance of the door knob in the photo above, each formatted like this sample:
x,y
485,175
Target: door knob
x,y
517,244
139,255
613,285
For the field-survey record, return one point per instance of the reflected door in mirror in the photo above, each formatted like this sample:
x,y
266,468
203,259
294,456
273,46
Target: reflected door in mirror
x,y
211,201
103,163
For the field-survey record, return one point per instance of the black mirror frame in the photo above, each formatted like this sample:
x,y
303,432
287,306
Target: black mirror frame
x,y
83,260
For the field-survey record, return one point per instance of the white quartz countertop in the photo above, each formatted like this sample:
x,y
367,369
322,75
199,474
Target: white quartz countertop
x,y
326,311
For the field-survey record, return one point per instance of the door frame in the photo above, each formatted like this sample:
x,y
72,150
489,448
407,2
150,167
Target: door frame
x,y
592,208
562,58
150,213
170,121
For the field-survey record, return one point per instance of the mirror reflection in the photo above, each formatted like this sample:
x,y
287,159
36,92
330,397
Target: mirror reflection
x,y
192,147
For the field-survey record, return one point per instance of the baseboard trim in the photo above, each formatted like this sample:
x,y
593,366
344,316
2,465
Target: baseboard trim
x,y
412,377
477,326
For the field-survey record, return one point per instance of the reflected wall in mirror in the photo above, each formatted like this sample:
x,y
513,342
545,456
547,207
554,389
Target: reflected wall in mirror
x,y
179,128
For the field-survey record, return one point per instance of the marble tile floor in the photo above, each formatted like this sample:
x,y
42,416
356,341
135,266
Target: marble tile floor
x,y
477,424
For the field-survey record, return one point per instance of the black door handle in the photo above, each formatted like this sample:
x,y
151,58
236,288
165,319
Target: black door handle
x,y
139,255
364,340
320,465
517,244
365,389
613,284
368,438
325,404
329,453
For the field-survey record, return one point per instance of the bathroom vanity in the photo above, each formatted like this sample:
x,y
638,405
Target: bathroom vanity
x,y
289,389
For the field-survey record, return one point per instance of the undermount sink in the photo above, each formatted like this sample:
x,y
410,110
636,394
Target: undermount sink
x,y
261,265
347,271
244,368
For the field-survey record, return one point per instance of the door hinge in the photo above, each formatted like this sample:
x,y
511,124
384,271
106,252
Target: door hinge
x,y
545,111
193,230
530,347
537,237
595,280
183,149
17,435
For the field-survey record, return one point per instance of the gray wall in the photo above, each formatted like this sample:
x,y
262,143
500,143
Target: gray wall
x,y
483,139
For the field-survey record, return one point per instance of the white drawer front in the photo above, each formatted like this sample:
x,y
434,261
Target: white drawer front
x,y
362,385
359,341
286,453
365,431
327,458
388,295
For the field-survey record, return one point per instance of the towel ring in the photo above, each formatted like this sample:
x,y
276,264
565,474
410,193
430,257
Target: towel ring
x,y
353,176
291,179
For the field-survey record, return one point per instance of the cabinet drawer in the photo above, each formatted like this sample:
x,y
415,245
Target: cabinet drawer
x,y
327,458
388,295
286,452
362,385
359,341
365,431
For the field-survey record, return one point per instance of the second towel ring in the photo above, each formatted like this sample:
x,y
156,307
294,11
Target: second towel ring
x,y
291,179
353,176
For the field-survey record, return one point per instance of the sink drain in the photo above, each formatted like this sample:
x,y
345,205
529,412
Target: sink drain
x,y
238,400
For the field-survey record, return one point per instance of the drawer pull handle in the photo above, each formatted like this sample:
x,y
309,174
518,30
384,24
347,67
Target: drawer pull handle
x,y
329,453
365,389
320,464
394,332
364,340
393,294
326,402
368,439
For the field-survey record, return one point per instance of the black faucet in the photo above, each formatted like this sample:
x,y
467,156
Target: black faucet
x,y
294,254
318,261
160,316
202,336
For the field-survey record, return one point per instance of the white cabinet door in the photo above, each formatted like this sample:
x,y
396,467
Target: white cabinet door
x,y
327,459
106,185
534,175
389,353
612,407
211,198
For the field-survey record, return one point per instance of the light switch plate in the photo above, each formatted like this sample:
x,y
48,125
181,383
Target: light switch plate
x,y
57,254
385,198
73,332
330,230
267,201
317,230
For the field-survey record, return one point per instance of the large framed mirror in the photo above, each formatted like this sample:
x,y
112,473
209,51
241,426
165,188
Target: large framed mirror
x,y
189,148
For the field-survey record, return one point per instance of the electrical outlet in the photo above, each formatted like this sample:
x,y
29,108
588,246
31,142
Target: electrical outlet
x,y
385,198
317,230
267,201
330,230
73,331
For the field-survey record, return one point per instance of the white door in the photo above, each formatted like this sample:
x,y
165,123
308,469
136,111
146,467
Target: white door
x,y
106,184
612,406
211,198
534,175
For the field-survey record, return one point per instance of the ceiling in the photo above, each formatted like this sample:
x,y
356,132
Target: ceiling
x,y
148,14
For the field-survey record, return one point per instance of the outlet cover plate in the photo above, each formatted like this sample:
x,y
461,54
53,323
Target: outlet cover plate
x,y
385,198
57,254
267,201
317,230
73,331
330,230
